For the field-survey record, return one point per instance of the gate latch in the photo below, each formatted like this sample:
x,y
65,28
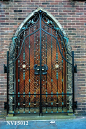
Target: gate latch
x,y
43,69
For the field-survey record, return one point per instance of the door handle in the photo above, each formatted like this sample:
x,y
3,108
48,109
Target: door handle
x,y
43,69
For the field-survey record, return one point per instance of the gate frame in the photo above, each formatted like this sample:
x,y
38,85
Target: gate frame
x,y
68,47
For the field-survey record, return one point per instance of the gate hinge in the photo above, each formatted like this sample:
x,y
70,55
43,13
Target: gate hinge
x,y
75,69
5,105
75,104
5,68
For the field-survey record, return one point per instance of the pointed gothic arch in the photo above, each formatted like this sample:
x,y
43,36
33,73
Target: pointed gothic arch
x,y
40,67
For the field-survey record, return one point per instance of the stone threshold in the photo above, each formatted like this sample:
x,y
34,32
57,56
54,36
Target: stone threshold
x,y
35,117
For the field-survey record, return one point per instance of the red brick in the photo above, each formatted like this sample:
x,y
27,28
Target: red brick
x,y
69,16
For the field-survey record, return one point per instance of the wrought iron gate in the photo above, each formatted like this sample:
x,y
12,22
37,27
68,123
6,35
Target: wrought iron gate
x,y
40,69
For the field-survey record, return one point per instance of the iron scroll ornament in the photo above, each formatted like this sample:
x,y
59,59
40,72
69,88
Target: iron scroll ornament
x,y
31,22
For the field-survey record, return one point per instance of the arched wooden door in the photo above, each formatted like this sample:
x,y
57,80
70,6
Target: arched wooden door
x,y
40,68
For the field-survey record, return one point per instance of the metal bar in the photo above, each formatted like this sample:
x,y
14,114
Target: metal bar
x,y
24,60
51,58
24,69
18,65
34,63
29,60
29,69
43,113
62,77
18,72
24,96
56,69
46,74
13,83
67,78
15,80
7,79
73,78
51,74
44,94
40,67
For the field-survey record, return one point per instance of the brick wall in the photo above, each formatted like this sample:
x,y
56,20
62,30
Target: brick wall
x,y
72,17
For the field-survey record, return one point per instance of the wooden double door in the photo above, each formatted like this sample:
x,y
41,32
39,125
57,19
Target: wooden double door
x,y
40,69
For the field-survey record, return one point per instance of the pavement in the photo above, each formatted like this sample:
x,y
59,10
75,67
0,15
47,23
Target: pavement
x,y
43,122
77,123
